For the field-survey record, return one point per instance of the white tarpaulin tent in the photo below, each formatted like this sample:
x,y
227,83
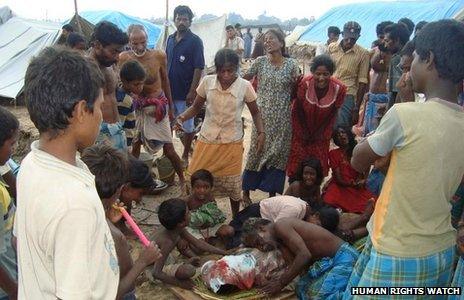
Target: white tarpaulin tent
x,y
21,40
293,37
5,14
211,32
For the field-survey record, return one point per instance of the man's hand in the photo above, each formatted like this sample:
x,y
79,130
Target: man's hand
x,y
190,98
260,142
178,124
272,287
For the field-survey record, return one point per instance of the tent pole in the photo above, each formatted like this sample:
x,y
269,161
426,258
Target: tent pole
x,y
166,25
79,28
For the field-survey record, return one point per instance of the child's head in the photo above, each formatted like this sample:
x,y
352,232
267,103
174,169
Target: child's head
x,y
110,168
256,234
202,182
310,172
226,62
8,134
63,92
174,214
327,217
407,56
344,138
139,181
132,77
438,55
333,33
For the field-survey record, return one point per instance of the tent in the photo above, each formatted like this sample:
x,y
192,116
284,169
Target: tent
x,y
293,37
212,33
21,40
86,28
369,14
5,14
123,21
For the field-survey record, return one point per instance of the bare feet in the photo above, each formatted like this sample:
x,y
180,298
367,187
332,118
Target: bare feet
x,y
246,201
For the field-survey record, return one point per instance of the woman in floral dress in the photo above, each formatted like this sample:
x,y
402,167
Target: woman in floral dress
x,y
277,77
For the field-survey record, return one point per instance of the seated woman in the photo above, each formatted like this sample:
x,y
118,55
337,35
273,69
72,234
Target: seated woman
x,y
346,189
307,184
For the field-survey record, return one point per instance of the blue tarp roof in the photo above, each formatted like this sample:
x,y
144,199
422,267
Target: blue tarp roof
x,y
369,14
123,21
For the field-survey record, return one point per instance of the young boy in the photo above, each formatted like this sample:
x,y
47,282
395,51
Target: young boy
x,y
303,244
132,76
8,265
65,248
110,168
411,224
174,215
204,212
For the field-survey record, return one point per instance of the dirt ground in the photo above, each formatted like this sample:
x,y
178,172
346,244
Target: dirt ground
x,y
145,213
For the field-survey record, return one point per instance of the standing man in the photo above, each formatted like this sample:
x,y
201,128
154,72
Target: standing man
x,y
396,36
352,62
258,49
234,42
155,99
248,41
186,61
333,33
238,30
411,240
107,43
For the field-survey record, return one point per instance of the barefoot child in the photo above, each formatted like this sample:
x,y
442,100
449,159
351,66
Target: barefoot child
x,y
308,183
110,168
204,212
303,244
60,223
174,215
8,265
219,148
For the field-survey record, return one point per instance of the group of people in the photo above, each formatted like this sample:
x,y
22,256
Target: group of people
x,y
243,44
62,232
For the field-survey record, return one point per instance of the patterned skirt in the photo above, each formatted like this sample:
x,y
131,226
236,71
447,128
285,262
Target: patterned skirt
x,y
379,270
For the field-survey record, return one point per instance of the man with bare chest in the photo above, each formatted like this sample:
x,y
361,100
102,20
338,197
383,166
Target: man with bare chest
x,y
304,245
154,106
107,43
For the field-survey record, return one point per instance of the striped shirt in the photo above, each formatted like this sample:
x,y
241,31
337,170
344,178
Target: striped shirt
x,y
126,114
352,66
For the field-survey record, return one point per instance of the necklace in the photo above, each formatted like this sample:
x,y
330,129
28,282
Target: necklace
x,y
139,55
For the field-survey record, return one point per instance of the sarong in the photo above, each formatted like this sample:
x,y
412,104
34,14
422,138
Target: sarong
x,y
328,277
379,270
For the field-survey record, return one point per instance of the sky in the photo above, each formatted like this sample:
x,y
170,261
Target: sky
x,y
283,9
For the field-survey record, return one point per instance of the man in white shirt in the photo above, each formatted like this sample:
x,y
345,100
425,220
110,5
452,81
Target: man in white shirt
x,y
65,248
234,42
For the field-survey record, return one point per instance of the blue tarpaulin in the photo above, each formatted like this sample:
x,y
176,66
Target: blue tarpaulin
x,y
369,14
123,21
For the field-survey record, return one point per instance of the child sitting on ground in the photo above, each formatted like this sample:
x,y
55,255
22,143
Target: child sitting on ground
x,y
174,215
8,265
308,183
346,189
110,168
204,212
132,76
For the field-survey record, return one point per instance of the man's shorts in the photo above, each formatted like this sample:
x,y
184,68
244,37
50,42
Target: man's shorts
x,y
179,107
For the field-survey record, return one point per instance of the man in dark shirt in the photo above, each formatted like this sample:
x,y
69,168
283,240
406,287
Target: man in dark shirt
x,y
186,61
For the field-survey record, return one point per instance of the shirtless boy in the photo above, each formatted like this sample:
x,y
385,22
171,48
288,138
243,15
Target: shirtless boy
x,y
302,243
107,43
154,131
174,215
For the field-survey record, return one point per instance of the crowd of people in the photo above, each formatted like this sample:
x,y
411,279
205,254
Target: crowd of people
x,y
369,144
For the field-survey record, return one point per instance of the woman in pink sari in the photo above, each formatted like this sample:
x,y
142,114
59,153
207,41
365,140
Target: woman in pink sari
x,y
313,115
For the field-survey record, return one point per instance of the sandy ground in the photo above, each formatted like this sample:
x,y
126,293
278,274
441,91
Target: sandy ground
x,y
145,212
